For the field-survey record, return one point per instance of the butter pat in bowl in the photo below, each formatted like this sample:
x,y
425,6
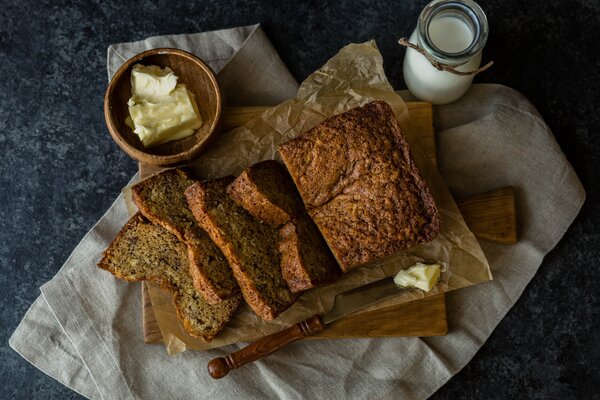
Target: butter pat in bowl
x,y
160,109
163,106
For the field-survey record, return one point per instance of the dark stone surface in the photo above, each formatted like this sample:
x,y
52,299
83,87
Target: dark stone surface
x,y
60,170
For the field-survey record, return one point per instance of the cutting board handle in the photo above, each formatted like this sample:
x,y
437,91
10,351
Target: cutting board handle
x,y
219,367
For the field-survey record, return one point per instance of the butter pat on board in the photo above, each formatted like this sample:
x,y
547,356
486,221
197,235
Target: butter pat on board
x,y
160,109
419,276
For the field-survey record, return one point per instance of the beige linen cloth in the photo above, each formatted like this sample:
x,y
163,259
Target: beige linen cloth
x,y
84,329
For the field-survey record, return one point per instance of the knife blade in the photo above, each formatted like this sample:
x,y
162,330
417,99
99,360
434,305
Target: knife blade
x,y
344,304
361,297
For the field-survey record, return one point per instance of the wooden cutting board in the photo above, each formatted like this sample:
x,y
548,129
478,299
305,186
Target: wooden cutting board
x,y
491,216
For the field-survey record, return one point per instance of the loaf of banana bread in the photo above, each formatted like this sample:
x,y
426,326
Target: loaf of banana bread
x,y
145,251
249,245
360,184
161,199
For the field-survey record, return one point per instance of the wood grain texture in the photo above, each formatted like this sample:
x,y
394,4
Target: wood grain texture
x,y
425,317
491,216
421,114
234,117
150,331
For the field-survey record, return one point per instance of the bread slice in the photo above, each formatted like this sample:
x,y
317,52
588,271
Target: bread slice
x,y
361,186
161,199
306,261
267,192
144,251
250,246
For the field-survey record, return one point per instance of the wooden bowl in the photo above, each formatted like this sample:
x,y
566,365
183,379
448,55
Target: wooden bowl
x,y
199,79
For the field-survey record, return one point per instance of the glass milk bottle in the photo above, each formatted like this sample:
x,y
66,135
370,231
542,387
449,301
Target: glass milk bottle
x,y
452,34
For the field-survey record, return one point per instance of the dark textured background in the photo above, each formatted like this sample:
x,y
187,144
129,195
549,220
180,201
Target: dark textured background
x,y
60,170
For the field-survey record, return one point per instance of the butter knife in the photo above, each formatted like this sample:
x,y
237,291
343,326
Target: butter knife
x,y
344,304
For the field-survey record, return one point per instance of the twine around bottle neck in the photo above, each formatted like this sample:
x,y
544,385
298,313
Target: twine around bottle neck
x,y
439,65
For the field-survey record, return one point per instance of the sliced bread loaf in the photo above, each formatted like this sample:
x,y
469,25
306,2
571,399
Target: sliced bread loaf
x,y
144,251
161,199
250,246
267,192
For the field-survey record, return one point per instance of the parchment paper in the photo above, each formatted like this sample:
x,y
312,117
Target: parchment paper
x,y
351,78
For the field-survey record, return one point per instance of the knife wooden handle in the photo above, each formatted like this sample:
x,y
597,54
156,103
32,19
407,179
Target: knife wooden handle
x,y
219,367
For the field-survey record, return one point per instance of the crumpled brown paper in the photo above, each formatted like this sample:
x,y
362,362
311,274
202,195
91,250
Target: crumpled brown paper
x,y
351,78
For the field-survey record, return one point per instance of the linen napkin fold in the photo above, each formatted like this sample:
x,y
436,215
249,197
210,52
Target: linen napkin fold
x,y
84,329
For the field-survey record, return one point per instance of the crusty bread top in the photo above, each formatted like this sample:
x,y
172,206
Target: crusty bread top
x,y
144,251
360,184
249,245
266,191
